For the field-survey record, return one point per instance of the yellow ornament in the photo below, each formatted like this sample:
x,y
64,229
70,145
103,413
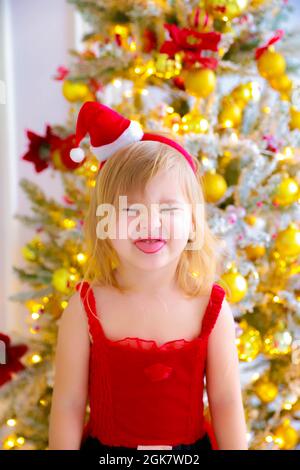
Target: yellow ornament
x,y
75,91
32,305
287,192
214,186
255,251
286,437
200,82
285,95
248,343
230,116
281,83
194,122
277,341
295,118
242,94
271,64
61,280
226,9
265,390
287,242
251,219
235,285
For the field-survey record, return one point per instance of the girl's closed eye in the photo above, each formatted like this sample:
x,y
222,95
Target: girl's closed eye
x,y
171,209
134,210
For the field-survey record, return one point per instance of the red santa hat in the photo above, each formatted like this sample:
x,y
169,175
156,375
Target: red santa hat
x,y
109,131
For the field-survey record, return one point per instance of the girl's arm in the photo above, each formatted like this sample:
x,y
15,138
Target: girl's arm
x,y
71,378
223,384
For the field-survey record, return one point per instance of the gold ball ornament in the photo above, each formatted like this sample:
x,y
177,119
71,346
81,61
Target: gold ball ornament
x,y
287,242
230,116
295,118
277,341
235,285
62,280
200,82
75,91
285,95
281,83
250,219
242,94
249,343
33,306
266,391
286,437
271,64
214,186
287,192
226,9
254,252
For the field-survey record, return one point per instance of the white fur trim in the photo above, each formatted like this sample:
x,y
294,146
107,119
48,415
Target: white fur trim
x,y
133,133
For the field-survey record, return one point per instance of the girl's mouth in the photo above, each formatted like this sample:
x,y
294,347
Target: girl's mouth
x,y
150,246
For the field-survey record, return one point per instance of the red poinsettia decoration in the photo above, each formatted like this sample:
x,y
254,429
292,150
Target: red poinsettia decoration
x,y
45,151
10,358
39,149
192,43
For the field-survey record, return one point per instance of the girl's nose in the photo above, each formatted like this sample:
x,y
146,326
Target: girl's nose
x,y
151,220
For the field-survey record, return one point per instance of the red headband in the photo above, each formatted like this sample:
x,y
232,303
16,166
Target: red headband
x,y
109,131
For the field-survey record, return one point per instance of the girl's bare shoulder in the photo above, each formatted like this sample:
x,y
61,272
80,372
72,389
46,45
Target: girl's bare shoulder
x,y
73,319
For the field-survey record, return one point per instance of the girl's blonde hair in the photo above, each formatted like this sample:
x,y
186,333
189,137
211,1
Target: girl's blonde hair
x,y
130,169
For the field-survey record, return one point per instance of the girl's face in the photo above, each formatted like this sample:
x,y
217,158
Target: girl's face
x,y
163,214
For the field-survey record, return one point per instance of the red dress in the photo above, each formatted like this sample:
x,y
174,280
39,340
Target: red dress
x,y
141,393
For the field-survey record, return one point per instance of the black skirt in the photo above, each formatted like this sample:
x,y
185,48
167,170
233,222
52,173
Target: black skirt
x,y
92,443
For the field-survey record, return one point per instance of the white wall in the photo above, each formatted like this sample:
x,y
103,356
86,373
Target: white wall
x,y
35,36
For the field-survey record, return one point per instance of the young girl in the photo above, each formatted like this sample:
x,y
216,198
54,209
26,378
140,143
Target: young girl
x,y
149,323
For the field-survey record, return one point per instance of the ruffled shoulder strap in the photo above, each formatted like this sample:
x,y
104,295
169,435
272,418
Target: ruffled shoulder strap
x,y
213,309
89,303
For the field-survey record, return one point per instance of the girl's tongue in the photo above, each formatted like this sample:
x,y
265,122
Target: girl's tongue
x,y
150,246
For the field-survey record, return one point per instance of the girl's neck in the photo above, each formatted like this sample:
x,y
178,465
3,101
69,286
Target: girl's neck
x,y
161,281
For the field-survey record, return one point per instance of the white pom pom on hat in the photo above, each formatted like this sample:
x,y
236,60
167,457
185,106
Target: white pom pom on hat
x,y
77,155
109,131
